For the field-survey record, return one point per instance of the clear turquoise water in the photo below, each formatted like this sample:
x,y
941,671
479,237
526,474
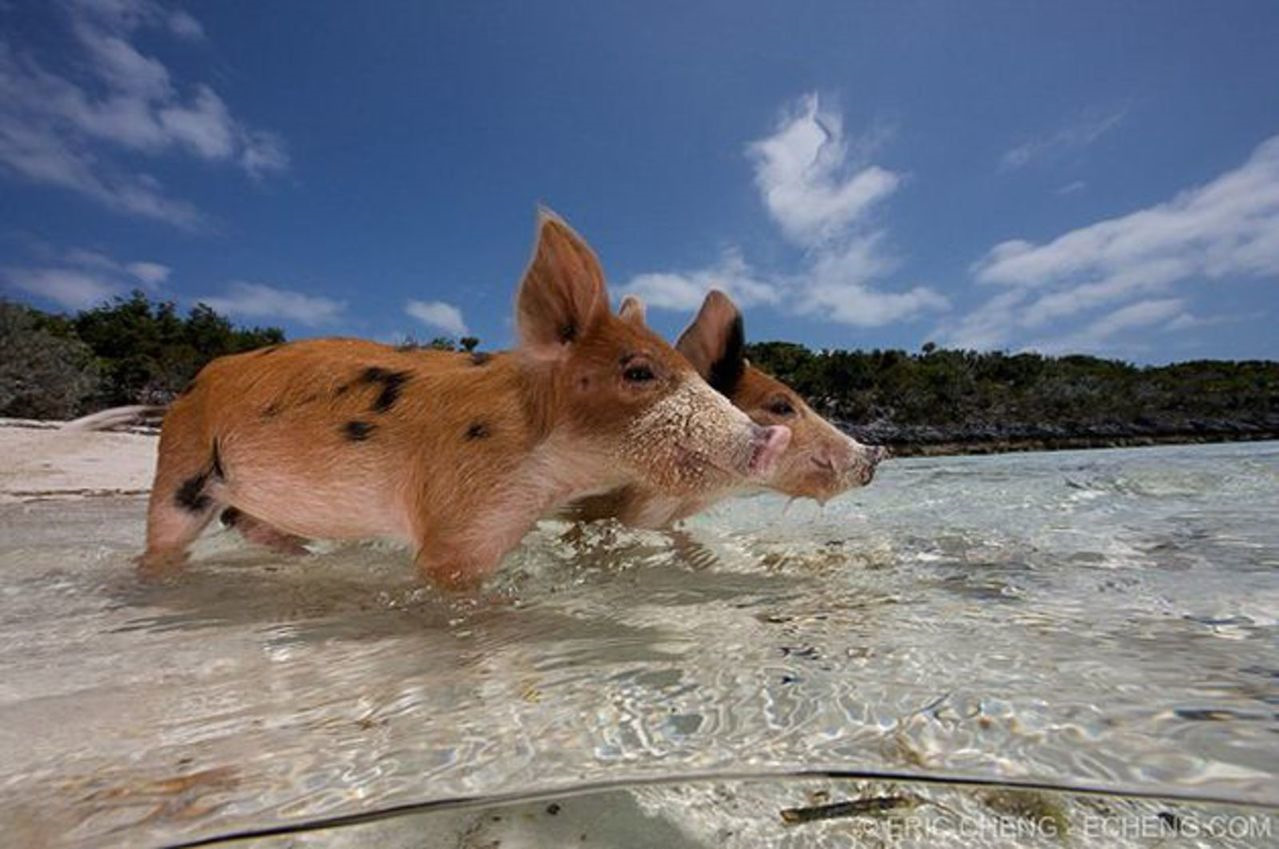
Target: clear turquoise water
x,y
1104,618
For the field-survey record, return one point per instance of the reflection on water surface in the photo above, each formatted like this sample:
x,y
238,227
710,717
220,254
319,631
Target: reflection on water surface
x,y
1098,618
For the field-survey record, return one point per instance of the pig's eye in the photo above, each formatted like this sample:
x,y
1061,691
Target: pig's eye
x,y
781,407
638,374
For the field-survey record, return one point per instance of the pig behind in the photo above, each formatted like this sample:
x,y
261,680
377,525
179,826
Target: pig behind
x,y
820,462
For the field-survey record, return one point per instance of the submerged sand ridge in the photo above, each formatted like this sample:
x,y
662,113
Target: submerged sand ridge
x,y
39,461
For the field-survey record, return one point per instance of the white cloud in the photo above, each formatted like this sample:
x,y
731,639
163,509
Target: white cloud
x,y
1072,187
837,287
1099,334
685,290
263,153
809,183
1189,321
819,189
256,300
44,157
183,25
1226,228
438,316
1079,133
89,259
203,126
150,273
68,287
61,132
85,278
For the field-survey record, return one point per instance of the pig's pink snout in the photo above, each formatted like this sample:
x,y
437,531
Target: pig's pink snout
x,y
767,447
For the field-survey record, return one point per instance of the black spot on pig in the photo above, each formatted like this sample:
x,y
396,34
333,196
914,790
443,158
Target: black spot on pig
x,y
191,496
358,431
216,464
478,430
392,383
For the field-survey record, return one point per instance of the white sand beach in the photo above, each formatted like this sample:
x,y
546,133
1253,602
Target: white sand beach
x,y
40,461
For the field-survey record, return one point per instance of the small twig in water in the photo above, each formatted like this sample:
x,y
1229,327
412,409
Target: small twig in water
x,y
853,808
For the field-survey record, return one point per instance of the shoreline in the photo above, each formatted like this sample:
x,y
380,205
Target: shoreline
x,y
1016,445
39,461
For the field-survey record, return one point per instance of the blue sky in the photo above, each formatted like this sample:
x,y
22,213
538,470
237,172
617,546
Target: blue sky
x,y
1097,177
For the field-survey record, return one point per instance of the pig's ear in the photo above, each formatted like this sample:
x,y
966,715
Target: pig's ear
x,y
632,310
562,292
715,343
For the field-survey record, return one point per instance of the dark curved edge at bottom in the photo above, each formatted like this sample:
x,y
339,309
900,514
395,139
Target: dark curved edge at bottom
x,y
460,802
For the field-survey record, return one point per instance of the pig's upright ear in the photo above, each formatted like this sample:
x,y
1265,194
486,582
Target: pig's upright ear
x,y
632,310
715,343
562,293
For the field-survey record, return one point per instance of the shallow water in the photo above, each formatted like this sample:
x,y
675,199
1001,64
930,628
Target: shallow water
x,y
1104,618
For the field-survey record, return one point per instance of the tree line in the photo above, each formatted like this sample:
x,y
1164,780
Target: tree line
x,y
136,350
129,351
999,400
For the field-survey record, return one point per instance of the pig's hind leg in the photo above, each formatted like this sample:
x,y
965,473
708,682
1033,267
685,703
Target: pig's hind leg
x,y
183,497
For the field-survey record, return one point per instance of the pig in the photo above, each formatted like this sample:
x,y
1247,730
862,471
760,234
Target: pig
x,y
820,462
456,454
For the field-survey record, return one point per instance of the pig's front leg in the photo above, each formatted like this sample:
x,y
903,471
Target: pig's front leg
x,y
453,570
461,558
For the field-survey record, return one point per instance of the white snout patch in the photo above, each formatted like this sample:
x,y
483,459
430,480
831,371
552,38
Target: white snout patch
x,y
691,441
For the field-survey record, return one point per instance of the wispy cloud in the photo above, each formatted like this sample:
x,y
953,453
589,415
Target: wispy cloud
x,y
1226,228
1081,132
150,273
437,315
810,184
80,278
183,25
257,300
66,128
67,287
684,290
820,189
838,287
1099,334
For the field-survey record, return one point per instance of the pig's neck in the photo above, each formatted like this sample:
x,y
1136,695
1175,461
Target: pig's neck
x,y
559,469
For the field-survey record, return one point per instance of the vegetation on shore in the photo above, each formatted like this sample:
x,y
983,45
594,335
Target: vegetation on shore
x,y
129,351
134,350
947,401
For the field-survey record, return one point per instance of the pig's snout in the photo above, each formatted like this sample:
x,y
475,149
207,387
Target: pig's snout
x,y
852,461
767,446
874,454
